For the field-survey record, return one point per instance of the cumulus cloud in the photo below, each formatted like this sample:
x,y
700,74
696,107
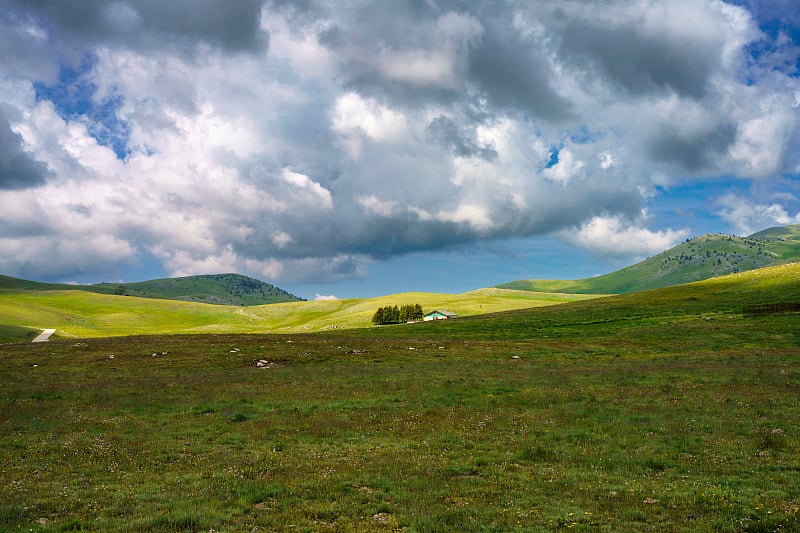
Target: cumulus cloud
x,y
748,217
612,236
301,141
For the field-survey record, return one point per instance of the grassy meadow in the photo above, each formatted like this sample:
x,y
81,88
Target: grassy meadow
x,y
661,411
86,314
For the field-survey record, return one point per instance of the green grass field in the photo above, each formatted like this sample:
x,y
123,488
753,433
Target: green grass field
x,y
661,411
84,314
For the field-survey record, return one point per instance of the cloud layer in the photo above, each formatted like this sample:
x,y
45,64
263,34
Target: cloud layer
x,y
300,141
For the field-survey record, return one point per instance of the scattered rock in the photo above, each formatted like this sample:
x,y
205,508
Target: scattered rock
x,y
441,347
159,354
411,348
34,366
778,431
650,501
356,352
382,518
612,493
514,357
42,521
111,356
263,363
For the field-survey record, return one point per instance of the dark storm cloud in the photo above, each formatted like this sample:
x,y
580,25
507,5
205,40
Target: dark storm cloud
x,y
693,153
18,170
513,72
232,26
637,62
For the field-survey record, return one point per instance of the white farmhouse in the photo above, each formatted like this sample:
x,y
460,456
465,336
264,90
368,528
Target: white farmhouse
x,y
439,315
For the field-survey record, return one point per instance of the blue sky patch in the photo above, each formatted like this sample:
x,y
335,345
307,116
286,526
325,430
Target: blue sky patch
x,y
72,96
553,161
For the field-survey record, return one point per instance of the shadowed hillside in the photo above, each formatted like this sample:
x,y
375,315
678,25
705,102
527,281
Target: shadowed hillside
x,y
224,289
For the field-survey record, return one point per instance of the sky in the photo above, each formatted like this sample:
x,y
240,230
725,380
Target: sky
x,y
353,148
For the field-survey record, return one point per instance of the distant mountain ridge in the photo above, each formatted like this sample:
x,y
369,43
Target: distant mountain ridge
x,y
696,259
222,289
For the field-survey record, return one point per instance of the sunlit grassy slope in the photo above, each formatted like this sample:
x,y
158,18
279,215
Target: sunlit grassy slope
x,y
681,308
84,314
696,259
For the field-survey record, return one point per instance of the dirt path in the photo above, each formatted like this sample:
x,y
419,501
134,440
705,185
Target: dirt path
x,y
44,336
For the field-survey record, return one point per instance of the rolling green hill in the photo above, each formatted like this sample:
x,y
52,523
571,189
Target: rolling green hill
x,y
668,315
224,289
703,257
85,314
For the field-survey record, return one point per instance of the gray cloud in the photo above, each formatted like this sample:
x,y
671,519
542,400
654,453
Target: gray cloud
x,y
446,132
511,68
694,152
149,24
18,169
641,63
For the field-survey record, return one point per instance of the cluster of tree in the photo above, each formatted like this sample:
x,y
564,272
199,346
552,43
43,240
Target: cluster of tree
x,y
397,315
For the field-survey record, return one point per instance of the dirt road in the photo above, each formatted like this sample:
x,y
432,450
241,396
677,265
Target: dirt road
x,y
44,336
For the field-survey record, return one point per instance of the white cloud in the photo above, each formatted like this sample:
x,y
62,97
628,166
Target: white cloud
x,y
307,189
375,206
442,64
606,160
566,168
612,236
324,297
421,67
747,217
183,263
760,143
473,215
355,117
280,238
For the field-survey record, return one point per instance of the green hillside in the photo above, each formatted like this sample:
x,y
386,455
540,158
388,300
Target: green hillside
x,y
224,289
85,314
703,257
683,307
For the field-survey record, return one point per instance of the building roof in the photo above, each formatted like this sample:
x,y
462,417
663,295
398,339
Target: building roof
x,y
444,312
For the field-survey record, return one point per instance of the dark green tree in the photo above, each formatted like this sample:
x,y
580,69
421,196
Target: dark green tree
x,y
392,314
